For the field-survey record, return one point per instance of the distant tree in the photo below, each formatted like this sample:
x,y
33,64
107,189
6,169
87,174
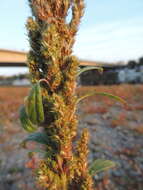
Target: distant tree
x,y
132,64
141,61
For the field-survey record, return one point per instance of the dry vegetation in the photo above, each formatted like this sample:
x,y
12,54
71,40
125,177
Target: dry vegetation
x,y
132,94
12,97
10,100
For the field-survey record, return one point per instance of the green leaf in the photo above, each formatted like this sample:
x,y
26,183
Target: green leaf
x,y
30,105
42,138
100,69
117,98
25,122
38,137
34,105
37,151
39,103
100,165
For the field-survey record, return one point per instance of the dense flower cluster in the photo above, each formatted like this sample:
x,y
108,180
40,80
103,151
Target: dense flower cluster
x,y
51,62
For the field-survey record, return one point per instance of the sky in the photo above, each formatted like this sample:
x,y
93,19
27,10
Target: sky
x,y
110,30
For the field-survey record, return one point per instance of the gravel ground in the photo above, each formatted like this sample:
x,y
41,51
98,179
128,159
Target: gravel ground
x,y
116,134
122,144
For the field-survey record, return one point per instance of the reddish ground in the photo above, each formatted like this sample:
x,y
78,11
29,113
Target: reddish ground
x,y
115,128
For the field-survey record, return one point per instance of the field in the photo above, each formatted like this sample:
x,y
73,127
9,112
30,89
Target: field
x,y
116,134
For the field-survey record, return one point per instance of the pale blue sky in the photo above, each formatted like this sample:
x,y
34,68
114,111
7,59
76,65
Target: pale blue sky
x,y
110,30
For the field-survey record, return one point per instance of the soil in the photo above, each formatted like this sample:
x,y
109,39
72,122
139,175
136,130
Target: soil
x,y
116,133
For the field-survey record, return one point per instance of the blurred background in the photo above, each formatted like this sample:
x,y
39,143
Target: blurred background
x,y
110,36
